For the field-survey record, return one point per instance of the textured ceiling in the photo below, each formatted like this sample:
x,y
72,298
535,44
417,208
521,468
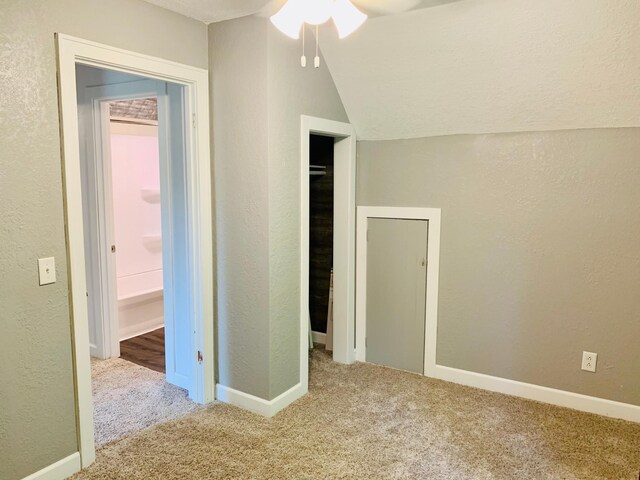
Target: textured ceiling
x,y
476,66
209,11
486,66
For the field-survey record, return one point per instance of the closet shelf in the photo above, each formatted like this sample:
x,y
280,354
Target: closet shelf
x,y
317,170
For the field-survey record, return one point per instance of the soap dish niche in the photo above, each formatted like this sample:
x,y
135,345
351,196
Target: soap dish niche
x,y
151,195
152,243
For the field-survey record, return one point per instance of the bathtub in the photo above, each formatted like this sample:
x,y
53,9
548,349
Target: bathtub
x,y
140,304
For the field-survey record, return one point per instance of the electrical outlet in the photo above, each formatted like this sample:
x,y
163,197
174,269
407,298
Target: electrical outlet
x,y
589,361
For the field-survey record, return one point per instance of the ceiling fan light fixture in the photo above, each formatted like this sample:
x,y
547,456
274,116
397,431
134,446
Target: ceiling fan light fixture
x,y
317,12
290,18
294,14
347,18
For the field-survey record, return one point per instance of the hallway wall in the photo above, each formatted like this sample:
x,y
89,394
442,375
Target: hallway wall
x,y
37,418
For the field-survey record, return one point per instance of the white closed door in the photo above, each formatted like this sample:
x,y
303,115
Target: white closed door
x,y
396,292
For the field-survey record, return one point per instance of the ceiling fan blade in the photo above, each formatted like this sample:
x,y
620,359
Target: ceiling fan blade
x,y
271,7
372,7
386,7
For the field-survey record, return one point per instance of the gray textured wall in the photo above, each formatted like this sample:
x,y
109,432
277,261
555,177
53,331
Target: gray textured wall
x,y
238,71
293,91
540,250
37,417
259,92
487,66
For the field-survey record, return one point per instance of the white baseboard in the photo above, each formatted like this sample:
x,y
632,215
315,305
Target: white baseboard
x,y
58,471
266,408
319,337
576,401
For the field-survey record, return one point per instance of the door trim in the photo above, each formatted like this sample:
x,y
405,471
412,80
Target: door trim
x,y
72,51
432,215
343,239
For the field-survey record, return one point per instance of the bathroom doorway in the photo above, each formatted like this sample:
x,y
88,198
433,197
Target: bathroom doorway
x,y
185,94
136,238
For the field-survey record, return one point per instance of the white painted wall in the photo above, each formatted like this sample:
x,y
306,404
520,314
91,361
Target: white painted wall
x,y
484,66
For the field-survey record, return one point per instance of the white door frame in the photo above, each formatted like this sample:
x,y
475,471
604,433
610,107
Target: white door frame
x,y
99,153
72,51
432,215
343,239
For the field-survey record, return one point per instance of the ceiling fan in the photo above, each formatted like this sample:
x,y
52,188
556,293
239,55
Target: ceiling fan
x,y
372,8
292,16
387,7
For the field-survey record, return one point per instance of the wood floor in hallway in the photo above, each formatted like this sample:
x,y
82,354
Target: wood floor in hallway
x,y
145,350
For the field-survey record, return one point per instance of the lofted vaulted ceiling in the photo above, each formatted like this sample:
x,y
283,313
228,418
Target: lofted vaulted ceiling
x,y
209,11
489,66
475,66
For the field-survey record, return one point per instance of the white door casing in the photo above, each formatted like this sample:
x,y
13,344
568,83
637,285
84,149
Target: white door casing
x,y
343,238
432,215
72,51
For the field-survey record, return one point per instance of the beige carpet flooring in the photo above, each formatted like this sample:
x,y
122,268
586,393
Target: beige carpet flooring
x,y
368,422
128,398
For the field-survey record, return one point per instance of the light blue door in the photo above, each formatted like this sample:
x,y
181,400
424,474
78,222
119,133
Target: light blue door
x,y
178,284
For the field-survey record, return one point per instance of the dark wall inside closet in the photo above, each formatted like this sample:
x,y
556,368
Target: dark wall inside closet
x,y
320,231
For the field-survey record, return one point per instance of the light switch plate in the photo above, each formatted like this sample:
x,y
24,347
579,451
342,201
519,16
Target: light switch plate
x,y
47,270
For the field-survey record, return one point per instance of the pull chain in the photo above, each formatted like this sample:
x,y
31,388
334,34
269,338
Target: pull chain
x,y
316,61
303,59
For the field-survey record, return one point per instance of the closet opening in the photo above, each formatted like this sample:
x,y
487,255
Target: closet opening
x,y
321,205
327,238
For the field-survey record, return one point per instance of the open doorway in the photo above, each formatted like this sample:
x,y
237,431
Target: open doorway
x,y
336,142
321,199
138,270
189,86
137,222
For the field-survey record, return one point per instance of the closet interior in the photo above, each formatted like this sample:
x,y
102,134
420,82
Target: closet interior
x,y
321,199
